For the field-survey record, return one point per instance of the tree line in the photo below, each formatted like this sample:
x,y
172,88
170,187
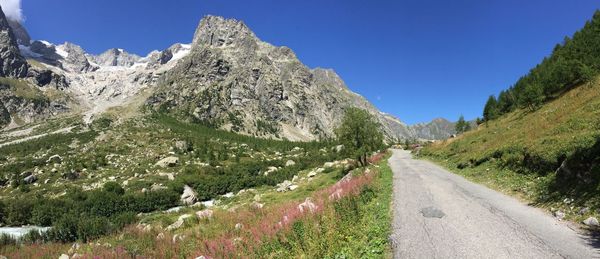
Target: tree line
x,y
573,62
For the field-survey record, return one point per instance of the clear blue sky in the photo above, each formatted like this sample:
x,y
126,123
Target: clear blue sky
x,y
415,59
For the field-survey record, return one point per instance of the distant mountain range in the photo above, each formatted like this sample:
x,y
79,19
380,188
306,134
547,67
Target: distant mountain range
x,y
227,77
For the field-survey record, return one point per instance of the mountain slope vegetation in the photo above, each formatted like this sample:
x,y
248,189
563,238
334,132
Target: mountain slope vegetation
x,y
573,62
541,138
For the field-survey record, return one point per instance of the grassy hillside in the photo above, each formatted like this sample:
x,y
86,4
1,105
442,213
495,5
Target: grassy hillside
x,y
101,184
520,152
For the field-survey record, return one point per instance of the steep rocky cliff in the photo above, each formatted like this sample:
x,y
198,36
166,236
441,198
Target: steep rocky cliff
x,y
234,80
12,64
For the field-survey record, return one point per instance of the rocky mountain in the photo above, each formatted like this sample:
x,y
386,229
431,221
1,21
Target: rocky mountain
x,y
439,128
234,80
226,77
116,57
12,63
21,34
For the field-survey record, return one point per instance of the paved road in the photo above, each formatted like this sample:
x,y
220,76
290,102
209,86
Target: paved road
x,y
441,215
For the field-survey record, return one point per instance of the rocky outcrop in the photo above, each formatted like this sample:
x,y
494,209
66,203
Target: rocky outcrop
x,y
116,57
436,129
233,80
75,58
20,32
189,196
47,78
12,64
4,115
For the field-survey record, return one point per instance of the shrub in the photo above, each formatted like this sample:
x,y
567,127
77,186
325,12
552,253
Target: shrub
x,y
64,230
121,220
113,187
18,212
91,228
45,212
101,203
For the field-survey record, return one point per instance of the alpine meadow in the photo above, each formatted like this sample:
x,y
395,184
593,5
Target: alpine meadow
x,y
208,129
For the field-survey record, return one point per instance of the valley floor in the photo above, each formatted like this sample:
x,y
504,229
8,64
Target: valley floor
x,y
438,214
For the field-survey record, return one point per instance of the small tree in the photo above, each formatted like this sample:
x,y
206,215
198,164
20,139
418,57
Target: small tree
x,y
532,96
360,134
490,111
461,125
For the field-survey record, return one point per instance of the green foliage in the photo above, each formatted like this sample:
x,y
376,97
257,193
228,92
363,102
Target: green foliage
x,y
462,126
571,63
113,187
532,97
18,212
45,212
102,123
267,127
359,133
490,111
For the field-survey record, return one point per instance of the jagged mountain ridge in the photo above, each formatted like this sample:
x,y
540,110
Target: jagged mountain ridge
x,y
227,74
234,80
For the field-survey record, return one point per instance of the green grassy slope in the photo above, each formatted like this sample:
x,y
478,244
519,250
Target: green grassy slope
x,y
520,152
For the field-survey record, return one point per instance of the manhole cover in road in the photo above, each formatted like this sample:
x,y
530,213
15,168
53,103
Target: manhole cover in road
x,y
432,212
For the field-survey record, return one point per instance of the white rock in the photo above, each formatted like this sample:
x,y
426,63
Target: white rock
x,y
293,187
307,205
74,248
177,224
257,205
336,195
178,237
312,174
239,226
63,256
168,161
290,163
592,222
184,216
55,159
282,187
204,214
559,214
208,203
189,196
328,164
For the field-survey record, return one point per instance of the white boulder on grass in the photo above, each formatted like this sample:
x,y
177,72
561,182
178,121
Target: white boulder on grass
x,y
307,205
282,187
177,224
329,164
592,222
168,161
204,214
290,163
189,196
